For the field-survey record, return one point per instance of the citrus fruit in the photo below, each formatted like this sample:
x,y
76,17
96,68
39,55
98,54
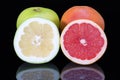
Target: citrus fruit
x,y
36,40
78,72
83,41
36,12
81,12
47,71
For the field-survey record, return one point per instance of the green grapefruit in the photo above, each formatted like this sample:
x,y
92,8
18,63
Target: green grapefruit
x,y
83,41
38,12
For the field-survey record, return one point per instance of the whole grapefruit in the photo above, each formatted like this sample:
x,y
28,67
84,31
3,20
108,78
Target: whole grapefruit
x,y
81,12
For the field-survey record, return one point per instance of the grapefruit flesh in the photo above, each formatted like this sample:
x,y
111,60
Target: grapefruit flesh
x,y
83,41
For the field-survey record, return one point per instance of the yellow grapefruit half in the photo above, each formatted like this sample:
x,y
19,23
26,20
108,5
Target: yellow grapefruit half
x,y
36,41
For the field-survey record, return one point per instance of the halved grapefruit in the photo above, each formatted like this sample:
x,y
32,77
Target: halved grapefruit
x,y
83,41
36,41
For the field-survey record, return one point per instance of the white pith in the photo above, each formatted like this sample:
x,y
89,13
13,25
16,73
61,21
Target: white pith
x,y
33,59
37,40
83,42
83,62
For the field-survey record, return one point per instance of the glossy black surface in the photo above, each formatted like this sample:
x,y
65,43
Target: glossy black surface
x,y
10,11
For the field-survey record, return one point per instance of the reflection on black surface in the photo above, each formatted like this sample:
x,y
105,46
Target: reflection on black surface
x,y
47,71
74,71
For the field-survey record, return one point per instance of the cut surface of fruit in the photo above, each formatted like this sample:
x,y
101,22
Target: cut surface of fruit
x,y
78,72
37,72
83,41
37,40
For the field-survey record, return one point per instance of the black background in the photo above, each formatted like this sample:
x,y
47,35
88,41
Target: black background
x,y
10,11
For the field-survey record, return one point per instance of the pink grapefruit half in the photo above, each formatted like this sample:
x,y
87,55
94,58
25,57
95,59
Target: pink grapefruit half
x,y
83,41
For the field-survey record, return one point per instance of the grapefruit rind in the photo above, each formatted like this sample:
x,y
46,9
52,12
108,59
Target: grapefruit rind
x,y
79,61
38,12
32,59
81,12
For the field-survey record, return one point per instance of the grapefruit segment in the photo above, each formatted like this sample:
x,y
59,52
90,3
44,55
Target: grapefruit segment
x,y
37,40
83,41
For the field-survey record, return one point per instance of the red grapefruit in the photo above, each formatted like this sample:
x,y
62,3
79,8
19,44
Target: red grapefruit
x,y
81,12
83,41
